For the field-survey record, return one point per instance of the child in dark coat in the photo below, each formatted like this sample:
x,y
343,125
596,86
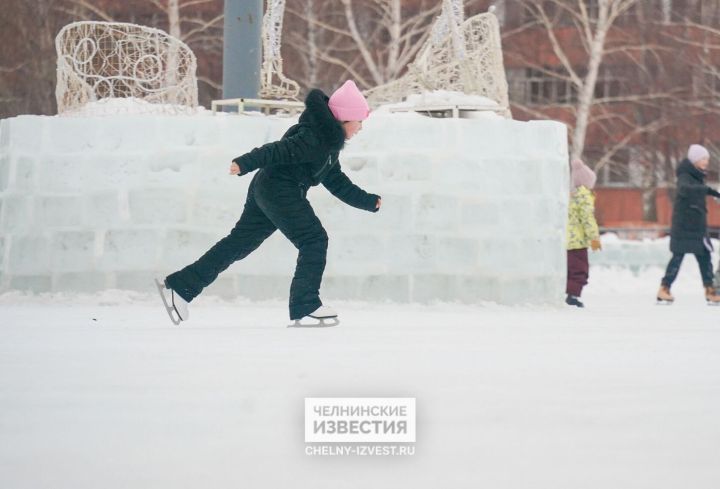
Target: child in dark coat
x,y
689,223
306,156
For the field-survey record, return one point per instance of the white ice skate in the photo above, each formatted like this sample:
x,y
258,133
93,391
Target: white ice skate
x,y
176,306
322,317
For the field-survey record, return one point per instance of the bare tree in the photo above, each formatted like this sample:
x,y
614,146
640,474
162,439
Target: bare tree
x,y
27,54
185,19
634,125
700,44
590,24
371,40
308,73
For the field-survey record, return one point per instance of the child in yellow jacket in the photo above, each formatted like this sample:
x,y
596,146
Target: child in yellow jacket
x,y
582,230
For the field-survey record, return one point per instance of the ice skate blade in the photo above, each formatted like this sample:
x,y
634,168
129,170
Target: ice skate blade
x,y
663,302
311,322
713,304
169,308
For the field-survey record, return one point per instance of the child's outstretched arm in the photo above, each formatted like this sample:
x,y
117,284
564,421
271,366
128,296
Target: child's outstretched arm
x,y
341,187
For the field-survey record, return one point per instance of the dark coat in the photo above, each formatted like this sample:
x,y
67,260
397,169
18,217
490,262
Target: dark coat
x,y
308,154
689,220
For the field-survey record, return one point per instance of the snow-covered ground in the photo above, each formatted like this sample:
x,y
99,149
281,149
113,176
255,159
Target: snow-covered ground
x,y
102,391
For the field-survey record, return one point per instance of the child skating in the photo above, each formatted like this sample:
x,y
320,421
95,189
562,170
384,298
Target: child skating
x,y
582,230
306,156
688,233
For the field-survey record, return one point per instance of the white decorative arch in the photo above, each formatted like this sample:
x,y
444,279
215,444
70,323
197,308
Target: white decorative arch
x,y
110,60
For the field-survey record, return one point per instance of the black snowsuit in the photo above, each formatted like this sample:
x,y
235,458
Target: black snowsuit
x,y
689,222
305,156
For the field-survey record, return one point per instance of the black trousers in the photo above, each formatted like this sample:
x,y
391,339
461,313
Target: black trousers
x,y
704,261
271,204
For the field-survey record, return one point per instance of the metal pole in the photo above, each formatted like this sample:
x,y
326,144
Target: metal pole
x,y
242,50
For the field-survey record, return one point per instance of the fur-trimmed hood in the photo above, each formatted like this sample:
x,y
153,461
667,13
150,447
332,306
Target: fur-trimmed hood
x,y
317,114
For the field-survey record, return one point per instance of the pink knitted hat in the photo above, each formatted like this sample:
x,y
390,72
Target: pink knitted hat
x,y
581,174
348,104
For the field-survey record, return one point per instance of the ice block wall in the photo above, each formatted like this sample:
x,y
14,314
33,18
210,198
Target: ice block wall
x,y
473,209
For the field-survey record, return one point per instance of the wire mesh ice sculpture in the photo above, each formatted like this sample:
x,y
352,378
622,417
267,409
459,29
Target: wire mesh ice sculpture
x,y
449,24
274,84
101,61
463,56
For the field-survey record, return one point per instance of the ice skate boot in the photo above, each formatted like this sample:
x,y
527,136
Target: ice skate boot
x,y
176,306
711,297
664,296
322,317
573,300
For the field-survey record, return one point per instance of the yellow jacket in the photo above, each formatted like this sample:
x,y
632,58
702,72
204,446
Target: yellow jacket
x,y
582,227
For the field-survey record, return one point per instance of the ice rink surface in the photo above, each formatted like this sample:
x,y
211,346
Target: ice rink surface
x,y
103,391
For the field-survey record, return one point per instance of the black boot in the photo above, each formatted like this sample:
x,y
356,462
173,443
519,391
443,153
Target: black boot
x,y
573,300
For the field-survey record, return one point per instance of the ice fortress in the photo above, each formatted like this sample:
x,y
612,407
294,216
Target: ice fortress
x,y
473,209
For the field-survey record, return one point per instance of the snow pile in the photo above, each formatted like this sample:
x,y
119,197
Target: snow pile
x,y
132,106
448,97
473,105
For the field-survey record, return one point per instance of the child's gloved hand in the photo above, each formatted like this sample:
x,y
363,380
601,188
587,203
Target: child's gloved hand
x,y
379,203
234,168
595,245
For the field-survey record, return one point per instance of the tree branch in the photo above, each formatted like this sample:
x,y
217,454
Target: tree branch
x,y
92,8
367,57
